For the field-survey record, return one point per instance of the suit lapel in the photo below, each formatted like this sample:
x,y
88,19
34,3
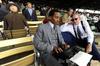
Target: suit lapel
x,y
58,33
48,27
28,13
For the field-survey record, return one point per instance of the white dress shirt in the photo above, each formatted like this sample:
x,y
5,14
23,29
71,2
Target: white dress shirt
x,y
51,24
30,11
69,28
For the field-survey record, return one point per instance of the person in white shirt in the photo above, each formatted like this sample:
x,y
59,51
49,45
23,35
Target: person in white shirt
x,y
79,33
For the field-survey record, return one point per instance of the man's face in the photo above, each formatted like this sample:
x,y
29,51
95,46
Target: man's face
x,y
56,18
29,5
70,12
13,8
76,19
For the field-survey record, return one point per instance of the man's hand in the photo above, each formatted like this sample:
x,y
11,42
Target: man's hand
x,y
57,50
64,46
88,48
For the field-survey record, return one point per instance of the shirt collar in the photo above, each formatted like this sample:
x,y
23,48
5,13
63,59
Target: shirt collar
x,y
51,24
78,24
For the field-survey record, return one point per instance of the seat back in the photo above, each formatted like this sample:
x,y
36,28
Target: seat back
x,y
33,25
17,52
15,33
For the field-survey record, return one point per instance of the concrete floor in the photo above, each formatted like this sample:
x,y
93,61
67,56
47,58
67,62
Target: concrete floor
x,y
94,62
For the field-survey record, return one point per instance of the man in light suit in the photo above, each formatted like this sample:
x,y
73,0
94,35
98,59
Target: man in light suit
x,y
48,38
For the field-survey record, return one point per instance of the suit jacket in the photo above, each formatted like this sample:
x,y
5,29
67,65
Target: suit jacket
x,y
42,39
3,11
14,21
29,17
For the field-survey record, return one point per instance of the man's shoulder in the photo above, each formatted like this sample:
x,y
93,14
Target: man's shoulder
x,y
43,26
25,10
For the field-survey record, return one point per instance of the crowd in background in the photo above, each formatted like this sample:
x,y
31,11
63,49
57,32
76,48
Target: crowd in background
x,y
30,11
15,16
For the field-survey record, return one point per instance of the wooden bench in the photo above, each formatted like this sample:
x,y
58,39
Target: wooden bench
x,y
30,23
33,25
1,24
15,33
21,32
20,53
33,30
40,18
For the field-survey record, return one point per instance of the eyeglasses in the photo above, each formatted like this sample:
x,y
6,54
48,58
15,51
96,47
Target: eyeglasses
x,y
74,19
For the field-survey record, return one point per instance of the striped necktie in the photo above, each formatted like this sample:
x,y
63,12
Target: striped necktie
x,y
79,33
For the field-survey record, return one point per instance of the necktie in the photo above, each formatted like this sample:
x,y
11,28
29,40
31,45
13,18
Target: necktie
x,y
79,33
75,31
56,33
55,30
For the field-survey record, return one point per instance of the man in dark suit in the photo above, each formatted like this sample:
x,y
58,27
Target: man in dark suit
x,y
29,12
3,10
48,38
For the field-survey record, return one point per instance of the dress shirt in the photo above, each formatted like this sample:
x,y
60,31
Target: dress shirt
x,y
51,24
30,11
69,28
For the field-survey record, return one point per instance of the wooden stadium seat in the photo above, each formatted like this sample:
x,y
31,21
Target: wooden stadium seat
x,y
33,25
15,33
33,30
20,32
1,24
40,18
20,53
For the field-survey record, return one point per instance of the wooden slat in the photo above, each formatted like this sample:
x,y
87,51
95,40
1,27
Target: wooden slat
x,y
34,22
15,51
17,41
1,28
25,61
33,26
40,16
33,30
1,23
15,33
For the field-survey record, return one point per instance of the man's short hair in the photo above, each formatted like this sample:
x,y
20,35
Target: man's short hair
x,y
51,13
28,3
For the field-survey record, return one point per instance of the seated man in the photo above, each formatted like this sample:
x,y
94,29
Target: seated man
x,y
48,38
79,33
